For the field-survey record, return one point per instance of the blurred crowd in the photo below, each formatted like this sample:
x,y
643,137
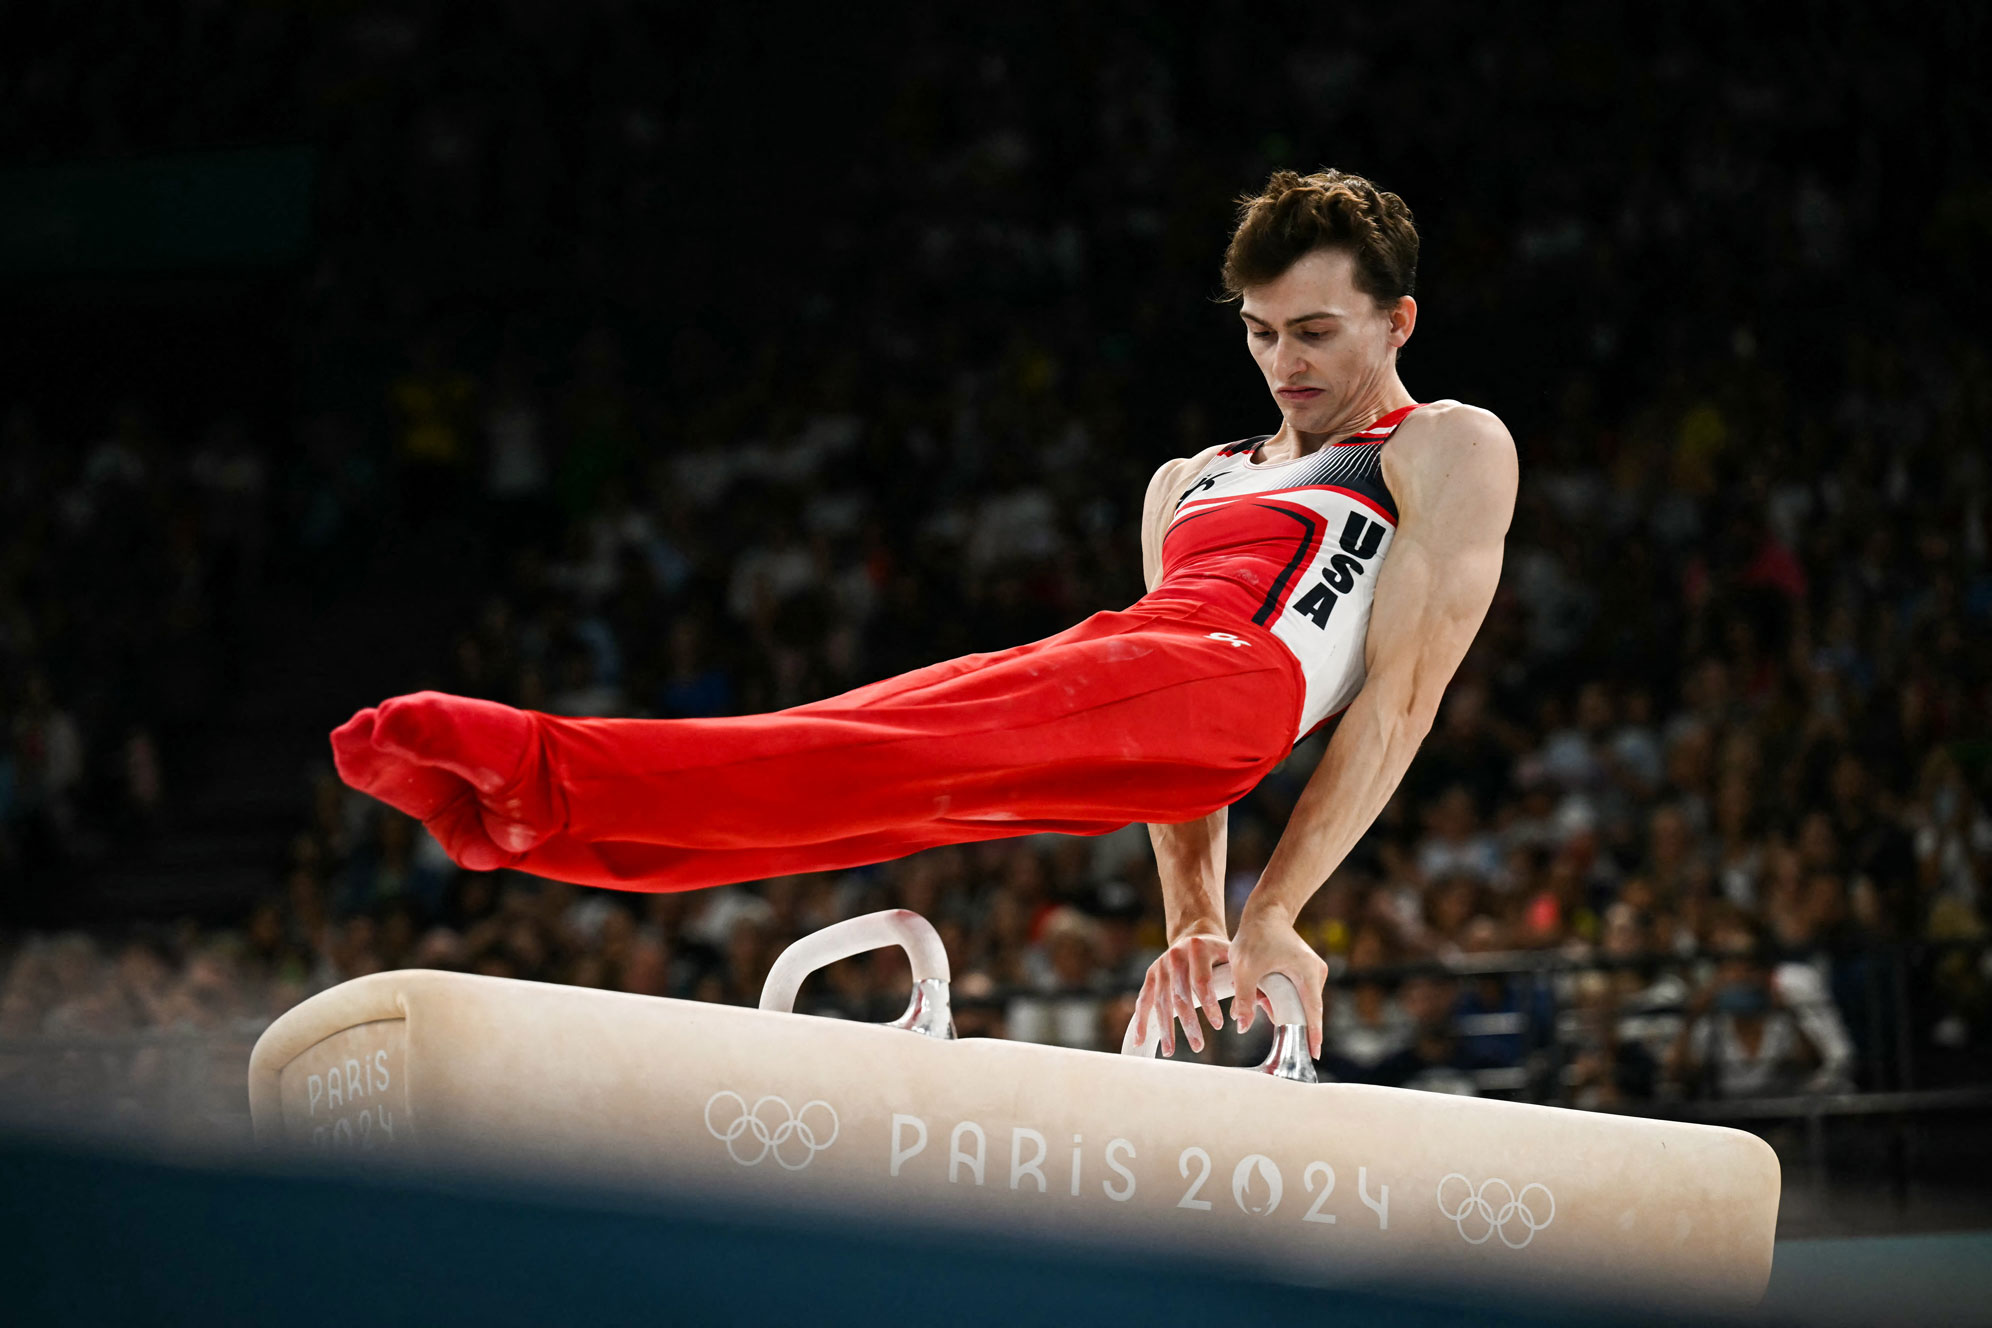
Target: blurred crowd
x,y
1720,752
124,558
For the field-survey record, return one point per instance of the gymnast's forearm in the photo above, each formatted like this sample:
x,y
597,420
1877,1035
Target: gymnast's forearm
x,y
1431,596
1189,858
1366,759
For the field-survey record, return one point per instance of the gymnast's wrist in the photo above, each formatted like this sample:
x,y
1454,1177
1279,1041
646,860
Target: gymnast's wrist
x,y
1265,905
1197,925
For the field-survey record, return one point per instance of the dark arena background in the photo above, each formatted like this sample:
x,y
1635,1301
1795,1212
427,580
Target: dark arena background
x,y
669,361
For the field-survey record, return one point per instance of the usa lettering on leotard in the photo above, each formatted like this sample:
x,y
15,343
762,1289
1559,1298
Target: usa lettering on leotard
x,y
1295,546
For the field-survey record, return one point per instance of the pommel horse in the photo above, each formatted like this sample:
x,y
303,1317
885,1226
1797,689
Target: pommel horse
x,y
1310,1182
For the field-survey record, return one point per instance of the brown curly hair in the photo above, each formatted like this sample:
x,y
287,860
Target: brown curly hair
x,y
1330,209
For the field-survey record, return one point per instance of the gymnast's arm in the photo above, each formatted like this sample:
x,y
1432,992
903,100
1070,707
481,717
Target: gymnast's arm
x,y
1189,858
1453,470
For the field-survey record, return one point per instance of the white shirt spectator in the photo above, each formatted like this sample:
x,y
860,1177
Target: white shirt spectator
x,y
1056,1021
1478,856
1567,758
1736,1071
1803,987
724,910
1348,1035
769,575
1020,524
1652,1015
1636,750
1956,844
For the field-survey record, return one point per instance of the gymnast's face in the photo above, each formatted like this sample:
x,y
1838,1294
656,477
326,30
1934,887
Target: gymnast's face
x,y
1328,351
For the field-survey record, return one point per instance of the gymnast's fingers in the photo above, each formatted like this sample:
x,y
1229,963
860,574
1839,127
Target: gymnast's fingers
x,y
1143,1003
1208,954
1150,1011
1311,1002
1244,1009
1185,999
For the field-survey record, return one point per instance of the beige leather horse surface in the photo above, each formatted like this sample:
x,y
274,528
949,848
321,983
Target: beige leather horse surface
x,y
1323,1183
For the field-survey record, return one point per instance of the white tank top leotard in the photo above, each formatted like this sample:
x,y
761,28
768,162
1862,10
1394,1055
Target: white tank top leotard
x,y
1294,546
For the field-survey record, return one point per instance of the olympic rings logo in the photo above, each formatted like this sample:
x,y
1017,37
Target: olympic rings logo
x,y
772,1126
1477,1209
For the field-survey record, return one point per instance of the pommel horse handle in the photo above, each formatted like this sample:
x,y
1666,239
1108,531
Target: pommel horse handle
x,y
926,1013
1289,1058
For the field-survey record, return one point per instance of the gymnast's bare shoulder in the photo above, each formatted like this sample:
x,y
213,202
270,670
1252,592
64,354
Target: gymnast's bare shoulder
x,y
1447,455
1159,504
1453,473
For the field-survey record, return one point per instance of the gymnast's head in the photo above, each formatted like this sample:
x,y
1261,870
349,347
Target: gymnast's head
x,y
1322,268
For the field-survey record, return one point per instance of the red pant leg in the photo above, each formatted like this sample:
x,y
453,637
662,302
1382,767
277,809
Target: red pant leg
x,y
1125,717
661,867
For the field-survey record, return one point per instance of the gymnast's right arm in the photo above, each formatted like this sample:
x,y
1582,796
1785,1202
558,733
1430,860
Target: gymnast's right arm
x,y
1189,857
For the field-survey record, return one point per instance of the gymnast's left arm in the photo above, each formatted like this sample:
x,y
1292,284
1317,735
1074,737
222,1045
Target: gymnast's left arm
x,y
1454,475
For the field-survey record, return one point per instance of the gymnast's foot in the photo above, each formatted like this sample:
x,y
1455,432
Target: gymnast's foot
x,y
474,772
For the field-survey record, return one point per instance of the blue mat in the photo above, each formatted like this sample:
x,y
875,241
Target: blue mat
x,y
90,1238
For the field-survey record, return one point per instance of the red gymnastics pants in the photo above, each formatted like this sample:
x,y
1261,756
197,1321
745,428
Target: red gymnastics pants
x,y
1157,713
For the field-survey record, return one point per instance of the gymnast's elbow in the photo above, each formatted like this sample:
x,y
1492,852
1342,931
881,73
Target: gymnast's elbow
x,y
1399,710
1415,718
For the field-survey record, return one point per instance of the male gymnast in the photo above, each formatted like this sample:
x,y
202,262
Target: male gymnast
x,y
1340,566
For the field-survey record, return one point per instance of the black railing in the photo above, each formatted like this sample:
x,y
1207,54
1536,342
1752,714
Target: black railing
x,y
1887,997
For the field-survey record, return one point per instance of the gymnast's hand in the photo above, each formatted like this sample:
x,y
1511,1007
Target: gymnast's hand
x,y
1178,982
473,772
1267,942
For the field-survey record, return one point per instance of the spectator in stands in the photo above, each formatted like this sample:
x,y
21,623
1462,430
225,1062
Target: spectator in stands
x,y
1471,748
1435,1058
46,770
1366,1023
1500,1017
1454,842
1741,1038
1880,854
435,406
1646,999
1603,1068
1069,1007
